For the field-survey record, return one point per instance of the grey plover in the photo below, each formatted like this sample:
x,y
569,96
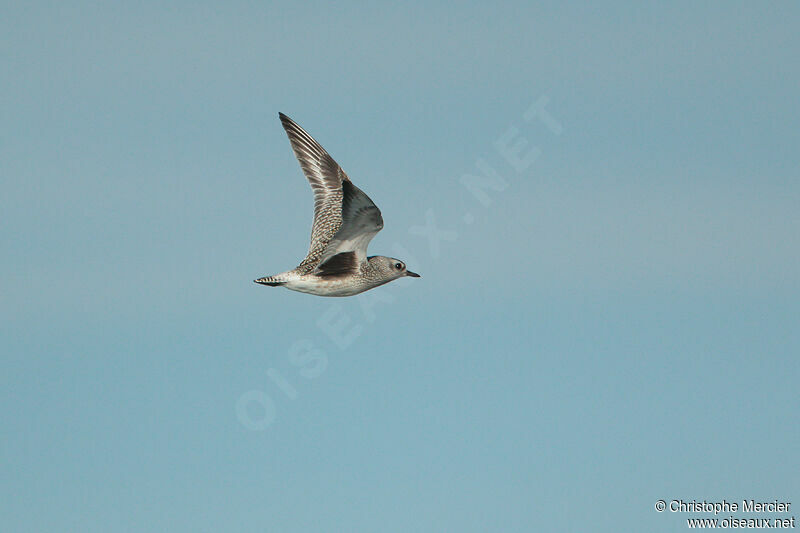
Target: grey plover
x,y
345,220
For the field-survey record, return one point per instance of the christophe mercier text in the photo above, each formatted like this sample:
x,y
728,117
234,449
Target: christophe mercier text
x,y
747,506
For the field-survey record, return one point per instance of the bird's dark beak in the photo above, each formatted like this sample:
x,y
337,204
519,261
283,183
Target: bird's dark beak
x,y
412,274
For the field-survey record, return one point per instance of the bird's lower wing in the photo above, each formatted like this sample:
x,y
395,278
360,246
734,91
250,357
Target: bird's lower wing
x,y
361,221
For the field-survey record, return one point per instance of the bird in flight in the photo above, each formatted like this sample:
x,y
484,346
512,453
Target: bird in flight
x,y
345,220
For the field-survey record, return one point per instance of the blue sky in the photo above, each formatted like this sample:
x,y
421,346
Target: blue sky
x,y
615,324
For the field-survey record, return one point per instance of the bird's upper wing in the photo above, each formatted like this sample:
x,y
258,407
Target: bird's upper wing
x,y
325,177
345,219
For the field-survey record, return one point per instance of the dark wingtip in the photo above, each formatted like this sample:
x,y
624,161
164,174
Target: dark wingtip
x,y
289,124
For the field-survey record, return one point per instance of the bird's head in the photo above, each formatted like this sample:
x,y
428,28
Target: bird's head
x,y
392,268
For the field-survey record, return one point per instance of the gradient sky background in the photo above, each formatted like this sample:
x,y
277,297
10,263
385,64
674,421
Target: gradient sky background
x,y
619,325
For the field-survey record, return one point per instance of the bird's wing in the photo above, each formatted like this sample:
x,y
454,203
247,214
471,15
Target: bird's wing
x,y
345,219
361,221
339,265
326,178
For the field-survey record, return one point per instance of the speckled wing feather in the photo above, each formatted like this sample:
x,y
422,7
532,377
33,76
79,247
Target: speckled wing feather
x,y
326,178
345,219
361,221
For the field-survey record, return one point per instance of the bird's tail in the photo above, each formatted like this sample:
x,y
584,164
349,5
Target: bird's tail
x,y
272,281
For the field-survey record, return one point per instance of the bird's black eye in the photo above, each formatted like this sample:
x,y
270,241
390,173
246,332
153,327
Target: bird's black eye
x,y
398,266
